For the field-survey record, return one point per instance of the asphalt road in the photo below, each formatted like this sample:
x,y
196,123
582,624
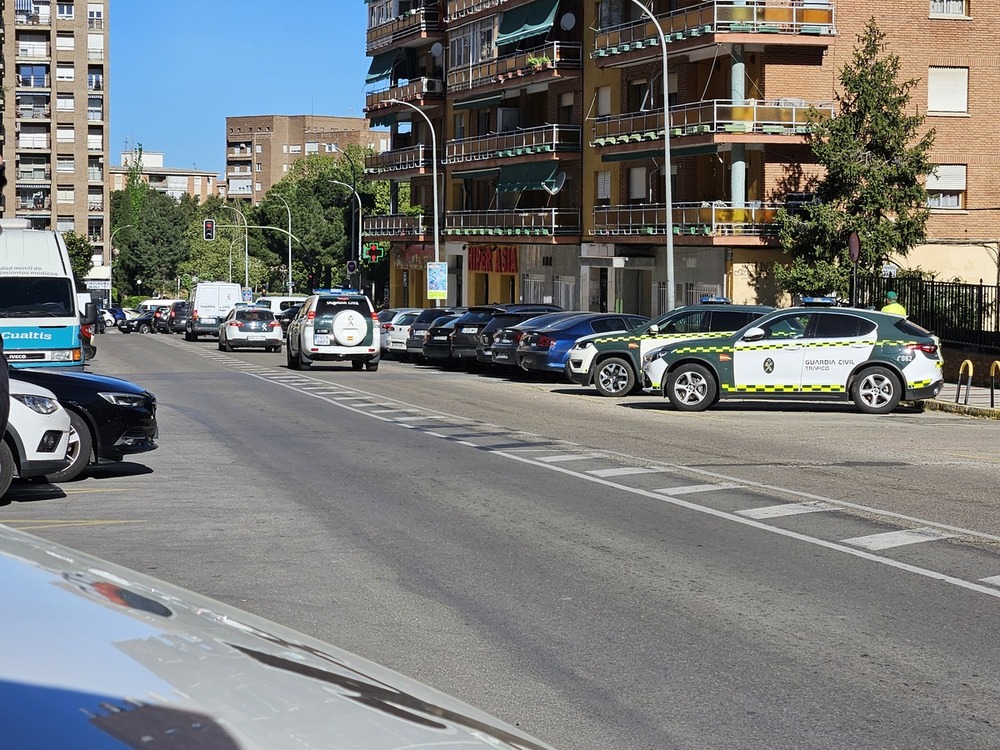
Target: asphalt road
x,y
606,574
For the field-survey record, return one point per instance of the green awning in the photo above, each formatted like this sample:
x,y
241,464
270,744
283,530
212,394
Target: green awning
x,y
527,176
381,67
383,121
526,21
479,102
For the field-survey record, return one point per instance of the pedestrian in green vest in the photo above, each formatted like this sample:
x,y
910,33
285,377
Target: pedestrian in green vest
x,y
892,304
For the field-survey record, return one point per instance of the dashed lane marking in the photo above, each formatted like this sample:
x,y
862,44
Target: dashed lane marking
x,y
623,471
692,488
787,509
891,539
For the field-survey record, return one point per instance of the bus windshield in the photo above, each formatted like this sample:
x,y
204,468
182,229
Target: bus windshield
x,y
36,298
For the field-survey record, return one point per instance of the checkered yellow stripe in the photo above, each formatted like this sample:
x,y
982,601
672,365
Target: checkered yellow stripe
x,y
919,384
778,388
663,337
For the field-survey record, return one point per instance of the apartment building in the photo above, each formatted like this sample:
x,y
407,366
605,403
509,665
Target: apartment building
x,y
173,181
260,149
55,118
557,158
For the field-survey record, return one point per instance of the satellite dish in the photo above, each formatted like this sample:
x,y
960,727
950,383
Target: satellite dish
x,y
567,22
437,49
560,181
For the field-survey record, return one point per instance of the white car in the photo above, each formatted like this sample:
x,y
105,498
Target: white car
x,y
334,325
37,438
250,327
385,319
394,338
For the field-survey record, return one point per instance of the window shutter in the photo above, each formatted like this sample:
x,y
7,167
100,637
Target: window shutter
x,y
948,89
947,178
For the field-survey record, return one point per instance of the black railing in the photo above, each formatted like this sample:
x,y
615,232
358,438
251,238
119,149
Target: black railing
x,y
966,315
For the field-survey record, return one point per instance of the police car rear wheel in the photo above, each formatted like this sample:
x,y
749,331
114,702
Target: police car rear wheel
x,y
614,377
876,391
692,388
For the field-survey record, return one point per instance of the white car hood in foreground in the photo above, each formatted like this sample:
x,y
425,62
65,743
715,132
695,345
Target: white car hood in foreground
x,y
97,657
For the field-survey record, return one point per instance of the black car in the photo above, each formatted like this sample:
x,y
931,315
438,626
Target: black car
x,y
487,337
286,315
141,324
420,324
437,339
110,417
471,324
177,317
161,323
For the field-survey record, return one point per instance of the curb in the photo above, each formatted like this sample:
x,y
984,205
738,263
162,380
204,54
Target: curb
x,y
980,412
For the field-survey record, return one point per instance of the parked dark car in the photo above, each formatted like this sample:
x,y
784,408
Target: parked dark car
x,y
111,315
177,317
437,339
140,324
547,349
110,417
420,324
507,321
506,340
285,317
471,324
161,320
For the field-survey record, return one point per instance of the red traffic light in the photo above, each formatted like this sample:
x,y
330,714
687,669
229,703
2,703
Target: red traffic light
x,y
209,229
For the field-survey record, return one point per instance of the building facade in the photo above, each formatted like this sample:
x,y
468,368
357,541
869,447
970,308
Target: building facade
x,y
172,181
55,116
260,149
556,158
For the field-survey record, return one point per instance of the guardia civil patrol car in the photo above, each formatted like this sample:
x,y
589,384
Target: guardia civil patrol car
x,y
874,359
612,361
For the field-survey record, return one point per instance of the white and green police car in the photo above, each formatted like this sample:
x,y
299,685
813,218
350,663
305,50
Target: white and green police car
x,y
874,359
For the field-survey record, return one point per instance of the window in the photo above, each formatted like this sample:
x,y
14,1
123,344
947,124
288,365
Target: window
x,y
65,133
95,140
65,40
64,11
64,102
471,44
259,167
603,180
259,149
95,107
792,326
65,164
637,184
947,90
65,72
832,325
603,101
293,149
949,8
95,16
946,186
312,148
65,194
65,224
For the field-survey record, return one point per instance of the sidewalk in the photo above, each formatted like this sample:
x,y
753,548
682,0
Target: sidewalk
x,y
977,404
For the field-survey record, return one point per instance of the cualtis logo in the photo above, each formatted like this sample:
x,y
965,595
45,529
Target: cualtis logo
x,y
26,336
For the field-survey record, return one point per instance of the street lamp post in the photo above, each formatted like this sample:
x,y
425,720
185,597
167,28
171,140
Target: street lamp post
x,y
246,245
289,241
667,197
434,177
111,259
358,198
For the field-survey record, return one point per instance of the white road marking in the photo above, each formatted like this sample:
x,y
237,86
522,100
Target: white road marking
x,y
787,509
623,471
568,457
994,580
892,539
691,488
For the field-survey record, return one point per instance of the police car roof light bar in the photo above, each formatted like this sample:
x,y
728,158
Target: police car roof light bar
x,y
819,301
713,300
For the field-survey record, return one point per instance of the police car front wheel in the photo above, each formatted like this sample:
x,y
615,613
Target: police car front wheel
x,y
877,390
692,387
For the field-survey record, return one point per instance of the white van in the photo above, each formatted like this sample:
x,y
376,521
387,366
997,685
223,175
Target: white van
x,y
151,304
210,303
278,305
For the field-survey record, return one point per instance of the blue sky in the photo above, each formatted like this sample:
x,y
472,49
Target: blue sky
x,y
179,68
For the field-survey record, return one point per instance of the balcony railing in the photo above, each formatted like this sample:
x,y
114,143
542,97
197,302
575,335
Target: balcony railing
x,y
34,51
528,222
239,153
781,117
415,90
34,204
705,219
34,82
93,85
811,17
34,175
395,225
31,19
95,174
416,21
95,23
95,55
34,112
399,159
539,140
550,56
35,142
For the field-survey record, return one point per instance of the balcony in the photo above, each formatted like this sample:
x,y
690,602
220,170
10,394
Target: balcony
x,y
716,219
34,112
34,82
33,143
527,223
22,18
546,139
34,51
797,22
419,23
239,153
551,60
459,9
715,117
395,225
413,160
417,91
34,204
36,174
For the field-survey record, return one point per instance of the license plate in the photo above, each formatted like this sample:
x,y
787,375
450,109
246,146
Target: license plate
x,y
439,338
501,357
207,320
321,339
256,337
468,330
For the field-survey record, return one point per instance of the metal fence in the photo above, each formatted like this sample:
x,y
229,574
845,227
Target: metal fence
x,y
966,315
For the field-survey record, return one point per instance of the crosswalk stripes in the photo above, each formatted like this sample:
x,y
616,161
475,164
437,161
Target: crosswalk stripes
x,y
787,509
890,539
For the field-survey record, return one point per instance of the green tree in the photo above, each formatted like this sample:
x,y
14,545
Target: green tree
x,y
875,161
152,247
81,254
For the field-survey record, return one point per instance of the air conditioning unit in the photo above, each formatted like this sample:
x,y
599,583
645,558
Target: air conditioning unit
x,y
433,86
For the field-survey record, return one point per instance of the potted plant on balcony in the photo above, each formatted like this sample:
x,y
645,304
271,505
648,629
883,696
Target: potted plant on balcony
x,y
538,63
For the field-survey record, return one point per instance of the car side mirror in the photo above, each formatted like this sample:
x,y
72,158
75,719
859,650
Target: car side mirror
x,y
753,334
653,328
90,313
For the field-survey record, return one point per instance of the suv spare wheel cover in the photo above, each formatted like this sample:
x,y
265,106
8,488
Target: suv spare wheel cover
x,y
349,327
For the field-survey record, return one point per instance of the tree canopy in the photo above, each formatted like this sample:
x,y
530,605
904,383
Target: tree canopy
x,y
875,161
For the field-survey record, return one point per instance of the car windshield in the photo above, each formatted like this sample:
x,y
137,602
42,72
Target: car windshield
x,y
22,298
475,317
250,314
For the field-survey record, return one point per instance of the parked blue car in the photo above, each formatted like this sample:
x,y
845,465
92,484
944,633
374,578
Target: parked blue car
x,y
547,349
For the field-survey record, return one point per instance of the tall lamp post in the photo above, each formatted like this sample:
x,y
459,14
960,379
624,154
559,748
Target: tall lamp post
x,y
289,241
434,177
246,246
111,259
667,196
358,198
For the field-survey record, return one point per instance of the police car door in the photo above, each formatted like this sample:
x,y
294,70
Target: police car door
x,y
684,327
837,343
772,364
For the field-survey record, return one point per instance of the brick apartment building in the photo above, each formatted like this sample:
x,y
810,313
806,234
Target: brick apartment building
x,y
55,118
260,149
173,181
550,129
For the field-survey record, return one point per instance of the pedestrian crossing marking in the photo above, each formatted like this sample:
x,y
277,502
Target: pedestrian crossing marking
x,y
890,539
786,509
691,488
562,457
623,471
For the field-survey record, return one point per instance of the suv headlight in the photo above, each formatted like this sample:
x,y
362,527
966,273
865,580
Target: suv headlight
x,y
123,399
652,356
40,404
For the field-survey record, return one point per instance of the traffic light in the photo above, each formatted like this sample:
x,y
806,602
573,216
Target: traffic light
x,y
209,228
373,253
